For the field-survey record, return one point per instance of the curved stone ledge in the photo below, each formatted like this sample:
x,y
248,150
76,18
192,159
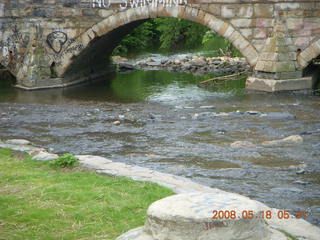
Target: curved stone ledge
x,y
211,197
188,216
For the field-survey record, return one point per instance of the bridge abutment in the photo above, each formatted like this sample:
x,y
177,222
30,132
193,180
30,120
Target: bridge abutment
x,y
277,68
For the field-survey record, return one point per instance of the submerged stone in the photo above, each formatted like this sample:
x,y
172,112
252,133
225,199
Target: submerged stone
x,y
18,142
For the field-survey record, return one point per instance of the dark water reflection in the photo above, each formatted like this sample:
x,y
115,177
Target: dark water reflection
x,y
169,124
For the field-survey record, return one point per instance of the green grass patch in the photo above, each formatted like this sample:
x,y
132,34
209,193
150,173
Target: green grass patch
x,y
39,202
64,161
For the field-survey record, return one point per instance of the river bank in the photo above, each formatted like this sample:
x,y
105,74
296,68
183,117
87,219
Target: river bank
x,y
185,63
292,227
38,201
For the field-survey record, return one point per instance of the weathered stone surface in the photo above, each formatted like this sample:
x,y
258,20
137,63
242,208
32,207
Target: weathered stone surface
x,y
57,31
44,156
294,139
18,142
263,10
189,216
193,64
135,234
271,85
245,144
91,161
22,148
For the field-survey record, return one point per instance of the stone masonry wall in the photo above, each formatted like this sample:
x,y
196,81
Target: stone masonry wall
x,y
36,33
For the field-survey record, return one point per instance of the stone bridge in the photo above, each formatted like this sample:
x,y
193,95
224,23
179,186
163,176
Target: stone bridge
x,y
57,43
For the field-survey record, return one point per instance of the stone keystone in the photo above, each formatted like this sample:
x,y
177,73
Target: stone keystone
x,y
189,216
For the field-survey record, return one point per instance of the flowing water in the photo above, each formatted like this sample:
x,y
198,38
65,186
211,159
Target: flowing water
x,y
171,125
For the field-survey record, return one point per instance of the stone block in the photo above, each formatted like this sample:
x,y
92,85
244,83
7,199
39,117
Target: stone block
x,y
245,11
288,56
263,11
222,29
47,13
130,15
267,56
264,66
302,42
153,11
182,10
240,43
241,22
250,54
200,16
264,23
105,13
294,23
288,75
292,13
308,6
234,36
228,32
285,66
228,11
1,9
287,6
260,33
215,9
247,33
271,85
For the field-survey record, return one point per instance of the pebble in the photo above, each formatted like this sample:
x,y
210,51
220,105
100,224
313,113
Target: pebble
x,y
117,122
301,171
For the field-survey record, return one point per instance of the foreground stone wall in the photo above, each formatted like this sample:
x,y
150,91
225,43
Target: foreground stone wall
x,y
43,40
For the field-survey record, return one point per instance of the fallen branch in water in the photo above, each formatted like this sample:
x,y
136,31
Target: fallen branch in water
x,y
226,77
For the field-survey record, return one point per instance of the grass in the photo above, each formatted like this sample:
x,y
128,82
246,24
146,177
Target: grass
x,y
288,235
39,202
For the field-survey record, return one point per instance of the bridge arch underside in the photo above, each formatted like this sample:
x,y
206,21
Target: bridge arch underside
x,y
6,76
99,41
94,60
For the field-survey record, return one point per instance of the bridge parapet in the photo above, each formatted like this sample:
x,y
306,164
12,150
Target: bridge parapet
x,y
41,40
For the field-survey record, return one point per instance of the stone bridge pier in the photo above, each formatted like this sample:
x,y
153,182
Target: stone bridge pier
x,y
57,43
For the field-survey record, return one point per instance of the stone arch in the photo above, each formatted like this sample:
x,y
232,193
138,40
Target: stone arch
x,y
309,53
131,15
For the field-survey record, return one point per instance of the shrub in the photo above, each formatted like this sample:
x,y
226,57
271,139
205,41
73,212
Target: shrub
x,y
66,160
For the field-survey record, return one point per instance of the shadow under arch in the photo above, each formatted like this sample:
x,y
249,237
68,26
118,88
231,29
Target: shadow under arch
x,y
99,40
6,76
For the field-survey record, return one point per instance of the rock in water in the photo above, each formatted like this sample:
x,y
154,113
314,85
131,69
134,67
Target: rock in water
x,y
117,122
301,171
278,115
245,144
294,139
207,107
124,66
18,142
